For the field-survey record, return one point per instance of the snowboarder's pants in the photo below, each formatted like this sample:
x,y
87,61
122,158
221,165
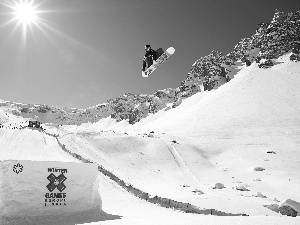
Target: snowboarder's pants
x,y
147,63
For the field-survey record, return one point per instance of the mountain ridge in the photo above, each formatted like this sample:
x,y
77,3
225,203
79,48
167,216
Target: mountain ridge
x,y
269,41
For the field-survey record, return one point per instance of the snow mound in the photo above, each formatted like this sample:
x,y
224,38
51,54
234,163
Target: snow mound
x,y
106,124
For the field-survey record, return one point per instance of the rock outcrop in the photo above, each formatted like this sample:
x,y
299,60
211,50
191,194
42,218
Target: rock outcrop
x,y
269,41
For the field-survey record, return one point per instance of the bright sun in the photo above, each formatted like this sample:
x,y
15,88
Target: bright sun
x,y
27,17
25,13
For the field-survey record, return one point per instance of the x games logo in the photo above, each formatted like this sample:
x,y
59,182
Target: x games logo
x,y
56,182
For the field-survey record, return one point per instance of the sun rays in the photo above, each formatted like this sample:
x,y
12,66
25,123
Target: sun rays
x,y
23,14
29,19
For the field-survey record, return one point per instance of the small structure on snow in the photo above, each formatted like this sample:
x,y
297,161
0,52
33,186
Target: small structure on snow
x,y
34,123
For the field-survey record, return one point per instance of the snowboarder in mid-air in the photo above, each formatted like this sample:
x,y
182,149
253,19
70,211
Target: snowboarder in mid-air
x,y
154,59
149,57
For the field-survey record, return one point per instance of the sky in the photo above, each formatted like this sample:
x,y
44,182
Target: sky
x,y
83,53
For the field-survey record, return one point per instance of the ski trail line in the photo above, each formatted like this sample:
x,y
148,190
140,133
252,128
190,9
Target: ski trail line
x,y
183,167
189,174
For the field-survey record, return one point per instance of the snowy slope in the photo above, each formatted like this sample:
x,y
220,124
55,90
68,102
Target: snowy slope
x,y
235,126
122,207
212,137
221,136
254,94
224,134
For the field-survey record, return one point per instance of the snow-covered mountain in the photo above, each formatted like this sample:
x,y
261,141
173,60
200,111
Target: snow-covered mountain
x,y
232,148
242,138
269,41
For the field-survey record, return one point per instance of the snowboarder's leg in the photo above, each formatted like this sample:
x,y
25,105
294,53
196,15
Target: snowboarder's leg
x,y
144,65
149,62
159,52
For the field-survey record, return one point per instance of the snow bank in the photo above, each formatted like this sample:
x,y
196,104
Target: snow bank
x,y
108,124
3,117
34,192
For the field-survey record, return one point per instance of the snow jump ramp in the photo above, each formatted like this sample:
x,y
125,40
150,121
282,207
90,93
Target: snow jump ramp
x,y
34,192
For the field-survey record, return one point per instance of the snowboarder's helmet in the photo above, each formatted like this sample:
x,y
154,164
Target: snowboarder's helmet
x,y
147,46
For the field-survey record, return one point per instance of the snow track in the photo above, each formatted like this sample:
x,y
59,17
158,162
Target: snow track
x,y
165,202
183,167
193,180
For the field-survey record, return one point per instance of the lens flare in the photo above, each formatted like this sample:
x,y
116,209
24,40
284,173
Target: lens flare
x,y
25,13
30,16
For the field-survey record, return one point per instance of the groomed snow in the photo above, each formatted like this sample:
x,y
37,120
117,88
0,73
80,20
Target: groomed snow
x,y
212,137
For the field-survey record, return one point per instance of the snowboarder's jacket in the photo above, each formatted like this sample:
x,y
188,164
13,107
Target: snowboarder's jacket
x,y
148,58
150,53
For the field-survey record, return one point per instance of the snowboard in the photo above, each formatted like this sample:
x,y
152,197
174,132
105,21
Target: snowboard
x,y
170,51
